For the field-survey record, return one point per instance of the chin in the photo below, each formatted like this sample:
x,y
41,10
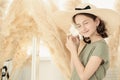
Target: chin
x,y
87,34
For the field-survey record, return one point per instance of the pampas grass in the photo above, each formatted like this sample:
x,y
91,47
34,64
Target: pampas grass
x,y
17,30
28,18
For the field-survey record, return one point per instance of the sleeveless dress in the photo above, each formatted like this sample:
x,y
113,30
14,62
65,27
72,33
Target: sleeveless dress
x,y
100,49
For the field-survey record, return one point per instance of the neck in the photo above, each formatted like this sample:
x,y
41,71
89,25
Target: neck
x,y
95,38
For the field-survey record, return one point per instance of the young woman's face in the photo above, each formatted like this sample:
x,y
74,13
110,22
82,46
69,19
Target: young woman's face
x,y
86,25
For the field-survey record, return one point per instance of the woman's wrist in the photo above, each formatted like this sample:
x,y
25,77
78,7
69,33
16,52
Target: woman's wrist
x,y
74,53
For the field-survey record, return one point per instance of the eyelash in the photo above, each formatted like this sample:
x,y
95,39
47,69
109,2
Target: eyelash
x,y
80,26
86,23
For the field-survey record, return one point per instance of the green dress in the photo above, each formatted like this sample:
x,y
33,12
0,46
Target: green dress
x,y
100,49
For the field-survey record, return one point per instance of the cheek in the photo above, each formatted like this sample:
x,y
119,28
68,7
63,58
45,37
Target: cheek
x,y
92,27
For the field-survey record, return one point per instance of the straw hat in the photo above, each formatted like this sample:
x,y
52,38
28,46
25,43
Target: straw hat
x,y
111,18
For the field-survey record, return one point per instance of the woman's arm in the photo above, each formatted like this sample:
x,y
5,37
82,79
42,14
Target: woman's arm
x,y
86,72
71,65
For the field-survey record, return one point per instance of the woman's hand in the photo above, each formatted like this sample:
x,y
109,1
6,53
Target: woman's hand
x,y
72,43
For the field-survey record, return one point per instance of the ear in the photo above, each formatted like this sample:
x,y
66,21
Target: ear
x,y
97,21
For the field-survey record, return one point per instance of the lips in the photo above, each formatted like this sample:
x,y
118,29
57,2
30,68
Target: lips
x,y
84,32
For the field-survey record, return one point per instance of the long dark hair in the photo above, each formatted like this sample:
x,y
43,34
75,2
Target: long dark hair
x,y
101,29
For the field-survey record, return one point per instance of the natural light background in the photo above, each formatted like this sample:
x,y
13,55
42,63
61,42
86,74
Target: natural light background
x,y
10,1
102,3
44,51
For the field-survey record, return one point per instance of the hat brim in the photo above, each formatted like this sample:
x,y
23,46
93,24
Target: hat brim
x,y
111,18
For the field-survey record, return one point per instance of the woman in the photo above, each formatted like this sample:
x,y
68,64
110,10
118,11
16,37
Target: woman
x,y
93,60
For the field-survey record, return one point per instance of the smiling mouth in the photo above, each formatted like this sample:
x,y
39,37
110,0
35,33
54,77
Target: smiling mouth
x,y
85,32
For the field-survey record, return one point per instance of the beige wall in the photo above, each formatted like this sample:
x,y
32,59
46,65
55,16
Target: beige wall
x,y
48,71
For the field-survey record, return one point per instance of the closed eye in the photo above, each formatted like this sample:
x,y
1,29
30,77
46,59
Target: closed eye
x,y
85,22
78,26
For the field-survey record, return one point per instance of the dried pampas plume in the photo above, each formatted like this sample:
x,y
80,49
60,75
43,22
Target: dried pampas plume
x,y
28,18
3,6
16,34
114,41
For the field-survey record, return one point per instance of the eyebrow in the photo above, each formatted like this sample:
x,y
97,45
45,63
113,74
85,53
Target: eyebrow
x,y
83,21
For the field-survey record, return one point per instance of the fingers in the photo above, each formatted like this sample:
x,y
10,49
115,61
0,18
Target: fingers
x,y
69,37
74,39
77,39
